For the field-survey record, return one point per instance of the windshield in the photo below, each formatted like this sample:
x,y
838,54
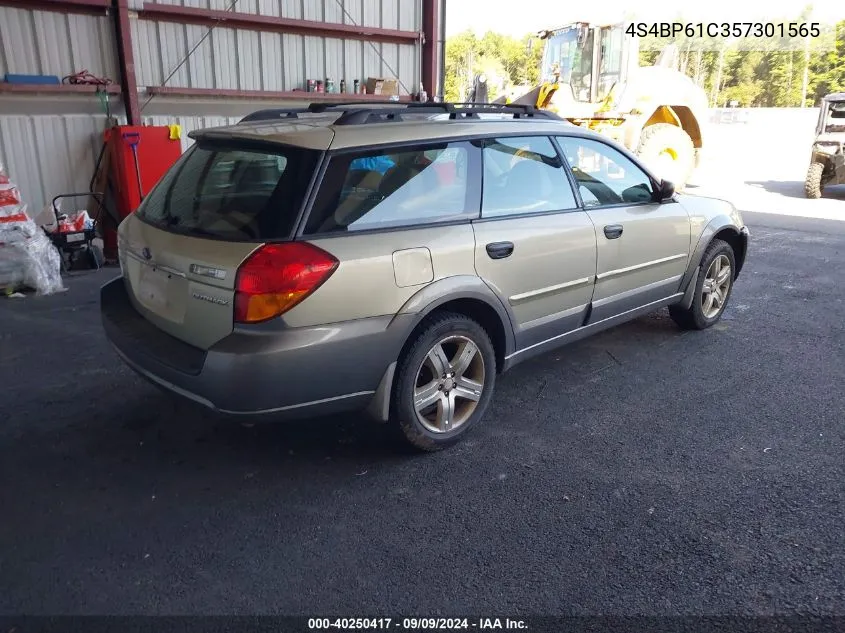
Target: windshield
x,y
570,62
836,118
230,192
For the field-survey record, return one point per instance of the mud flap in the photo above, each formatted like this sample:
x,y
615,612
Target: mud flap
x,y
379,408
689,294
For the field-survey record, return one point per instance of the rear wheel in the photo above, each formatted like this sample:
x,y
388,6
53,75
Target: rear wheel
x,y
669,151
444,382
813,181
712,289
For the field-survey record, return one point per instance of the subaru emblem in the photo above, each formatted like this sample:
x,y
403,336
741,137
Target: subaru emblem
x,y
146,253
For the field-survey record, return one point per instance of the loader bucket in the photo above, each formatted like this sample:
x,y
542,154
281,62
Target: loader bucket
x,y
529,98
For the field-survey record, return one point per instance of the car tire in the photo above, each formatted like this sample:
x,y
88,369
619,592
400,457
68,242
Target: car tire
x,y
710,288
813,181
666,139
432,411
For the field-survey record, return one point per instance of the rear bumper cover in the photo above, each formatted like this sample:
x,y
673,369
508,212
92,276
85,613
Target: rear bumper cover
x,y
265,370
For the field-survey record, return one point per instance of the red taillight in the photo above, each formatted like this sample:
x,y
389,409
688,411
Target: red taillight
x,y
278,276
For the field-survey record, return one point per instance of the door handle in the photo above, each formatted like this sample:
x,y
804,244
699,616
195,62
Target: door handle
x,y
612,231
499,250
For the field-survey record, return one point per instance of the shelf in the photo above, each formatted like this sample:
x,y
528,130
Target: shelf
x,y
266,94
94,7
55,88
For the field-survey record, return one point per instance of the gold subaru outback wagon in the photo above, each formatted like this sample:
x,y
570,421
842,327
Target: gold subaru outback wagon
x,y
395,258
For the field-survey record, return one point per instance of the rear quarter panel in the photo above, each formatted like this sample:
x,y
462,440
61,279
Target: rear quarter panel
x,y
379,272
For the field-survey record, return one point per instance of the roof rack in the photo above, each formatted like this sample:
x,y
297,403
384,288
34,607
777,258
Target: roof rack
x,y
360,113
273,113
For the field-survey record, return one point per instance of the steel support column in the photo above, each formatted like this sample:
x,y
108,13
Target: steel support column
x,y
126,60
431,33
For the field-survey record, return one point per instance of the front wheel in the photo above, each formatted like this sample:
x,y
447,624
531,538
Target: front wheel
x,y
444,382
813,181
712,289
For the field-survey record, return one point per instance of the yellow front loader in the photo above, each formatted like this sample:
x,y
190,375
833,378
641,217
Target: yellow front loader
x,y
591,76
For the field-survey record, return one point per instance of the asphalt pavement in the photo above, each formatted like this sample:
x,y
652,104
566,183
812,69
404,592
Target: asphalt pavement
x,y
643,471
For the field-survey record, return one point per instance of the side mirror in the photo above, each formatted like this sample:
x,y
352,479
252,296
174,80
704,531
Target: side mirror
x,y
665,190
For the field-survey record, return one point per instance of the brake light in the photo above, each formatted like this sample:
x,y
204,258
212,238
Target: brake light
x,y
278,276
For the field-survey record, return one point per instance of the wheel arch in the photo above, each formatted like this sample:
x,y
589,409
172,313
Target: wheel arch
x,y
722,228
467,295
738,241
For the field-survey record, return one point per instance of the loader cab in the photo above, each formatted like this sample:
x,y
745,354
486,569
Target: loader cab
x,y
590,59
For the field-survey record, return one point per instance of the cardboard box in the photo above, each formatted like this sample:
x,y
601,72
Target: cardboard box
x,y
381,86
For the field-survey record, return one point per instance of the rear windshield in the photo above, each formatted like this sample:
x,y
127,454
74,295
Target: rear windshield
x,y
231,193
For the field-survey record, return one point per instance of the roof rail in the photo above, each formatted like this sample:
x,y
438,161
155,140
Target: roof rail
x,y
359,113
273,113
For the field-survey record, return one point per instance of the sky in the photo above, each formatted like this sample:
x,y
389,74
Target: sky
x,y
519,17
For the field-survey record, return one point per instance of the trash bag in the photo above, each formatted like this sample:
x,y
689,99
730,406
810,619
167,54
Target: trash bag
x,y
27,256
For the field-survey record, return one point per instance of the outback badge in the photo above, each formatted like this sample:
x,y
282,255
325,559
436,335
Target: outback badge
x,y
210,298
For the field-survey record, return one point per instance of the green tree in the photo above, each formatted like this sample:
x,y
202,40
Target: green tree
x,y
827,69
503,59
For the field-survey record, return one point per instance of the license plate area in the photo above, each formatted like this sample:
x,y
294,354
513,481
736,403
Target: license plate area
x,y
152,288
158,291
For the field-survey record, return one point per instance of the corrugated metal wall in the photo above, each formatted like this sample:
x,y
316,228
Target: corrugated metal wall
x,y
49,43
264,61
274,61
48,155
55,151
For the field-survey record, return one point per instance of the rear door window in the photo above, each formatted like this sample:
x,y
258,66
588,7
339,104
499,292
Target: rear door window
x,y
397,187
524,175
232,193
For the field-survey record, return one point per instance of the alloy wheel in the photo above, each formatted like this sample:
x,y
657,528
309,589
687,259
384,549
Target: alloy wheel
x,y
717,283
449,384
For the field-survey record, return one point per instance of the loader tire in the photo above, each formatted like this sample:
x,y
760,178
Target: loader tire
x,y
669,152
813,181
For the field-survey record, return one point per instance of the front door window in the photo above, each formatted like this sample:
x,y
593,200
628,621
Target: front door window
x,y
604,175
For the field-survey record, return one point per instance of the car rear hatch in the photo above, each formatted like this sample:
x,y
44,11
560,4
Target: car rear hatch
x,y
222,202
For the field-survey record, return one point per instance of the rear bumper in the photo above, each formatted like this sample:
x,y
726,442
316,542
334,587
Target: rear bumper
x,y
266,370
